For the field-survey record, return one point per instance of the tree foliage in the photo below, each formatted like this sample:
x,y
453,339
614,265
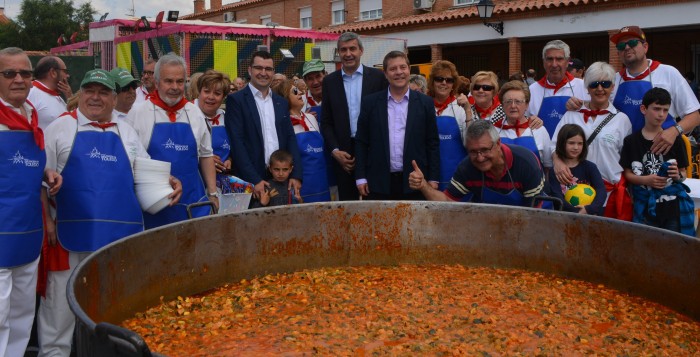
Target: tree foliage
x,y
41,22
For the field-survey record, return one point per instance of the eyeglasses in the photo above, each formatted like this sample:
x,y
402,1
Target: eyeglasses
x,y
510,102
483,152
448,80
604,84
485,87
11,74
295,91
147,73
261,68
632,43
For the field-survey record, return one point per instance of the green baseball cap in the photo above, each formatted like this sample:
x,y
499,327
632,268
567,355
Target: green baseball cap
x,y
122,77
99,76
315,65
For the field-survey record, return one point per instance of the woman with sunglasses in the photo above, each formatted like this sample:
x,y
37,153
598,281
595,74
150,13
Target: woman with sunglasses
x,y
451,118
486,105
213,87
310,141
604,126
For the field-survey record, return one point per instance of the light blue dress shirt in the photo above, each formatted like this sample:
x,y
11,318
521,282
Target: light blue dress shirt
x,y
353,94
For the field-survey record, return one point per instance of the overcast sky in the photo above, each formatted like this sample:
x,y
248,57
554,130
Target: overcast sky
x,y
119,8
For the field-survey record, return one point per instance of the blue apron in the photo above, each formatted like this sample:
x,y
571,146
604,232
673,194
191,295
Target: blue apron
x,y
525,141
512,198
452,151
628,98
97,203
551,111
330,172
21,171
219,142
175,143
313,162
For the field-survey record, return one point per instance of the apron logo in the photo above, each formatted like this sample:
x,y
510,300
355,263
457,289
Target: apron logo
x,y
95,154
311,149
445,137
177,147
630,101
554,114
18,159
225,145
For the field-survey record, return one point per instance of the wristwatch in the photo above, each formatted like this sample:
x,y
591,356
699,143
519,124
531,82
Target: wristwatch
x,y
212,194
679,128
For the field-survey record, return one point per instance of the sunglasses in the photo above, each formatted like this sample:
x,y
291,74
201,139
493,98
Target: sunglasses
x,y
604,84
295,91
448,80
129,87
11,74
632,43
485,87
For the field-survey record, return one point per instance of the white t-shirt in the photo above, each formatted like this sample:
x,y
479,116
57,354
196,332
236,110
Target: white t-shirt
x,y
60,136
118,116
542,140
605,149
145,115
575,88
683,101
48,106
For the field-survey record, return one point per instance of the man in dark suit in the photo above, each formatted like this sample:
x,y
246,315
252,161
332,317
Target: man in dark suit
x,y
396,127
257,123
343,91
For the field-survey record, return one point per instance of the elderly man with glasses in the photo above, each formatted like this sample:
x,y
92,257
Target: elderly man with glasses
x,y
148,83
495,173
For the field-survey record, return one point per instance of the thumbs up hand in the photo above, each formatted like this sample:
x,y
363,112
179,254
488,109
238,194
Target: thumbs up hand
x,y
416,180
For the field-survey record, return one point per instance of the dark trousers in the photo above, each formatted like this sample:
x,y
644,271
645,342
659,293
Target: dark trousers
x,y
347,189
396,189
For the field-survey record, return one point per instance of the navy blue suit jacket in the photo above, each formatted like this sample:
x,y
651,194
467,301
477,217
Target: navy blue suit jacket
x,y
421,141
245,134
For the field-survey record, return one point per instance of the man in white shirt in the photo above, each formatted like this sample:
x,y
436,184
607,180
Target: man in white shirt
x,y
175,130
257,121
51,80
148,84
98,203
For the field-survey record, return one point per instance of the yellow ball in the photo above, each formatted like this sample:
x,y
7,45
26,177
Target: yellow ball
x,y
580,195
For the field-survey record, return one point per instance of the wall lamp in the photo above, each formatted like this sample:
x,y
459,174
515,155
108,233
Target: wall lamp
x,y
485,9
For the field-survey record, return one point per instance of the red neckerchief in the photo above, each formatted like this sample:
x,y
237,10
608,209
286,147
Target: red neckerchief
x,y
102,126
440,107
215,119
145,94
16,121
567,78
299,121
505,126
587,114
40,86
483,113
172,111
646,72
310,100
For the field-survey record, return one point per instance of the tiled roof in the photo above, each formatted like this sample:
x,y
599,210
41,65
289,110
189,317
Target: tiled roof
x,y
224,8
502,7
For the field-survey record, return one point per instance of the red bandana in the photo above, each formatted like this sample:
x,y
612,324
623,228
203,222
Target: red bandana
x,y
587,114
172,111
440,107
215,119
651,68
102,126
16,121
310,100
299,121
44,88
484,113
543,82
519,125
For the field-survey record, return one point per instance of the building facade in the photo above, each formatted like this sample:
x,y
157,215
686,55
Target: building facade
x,y
452,29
